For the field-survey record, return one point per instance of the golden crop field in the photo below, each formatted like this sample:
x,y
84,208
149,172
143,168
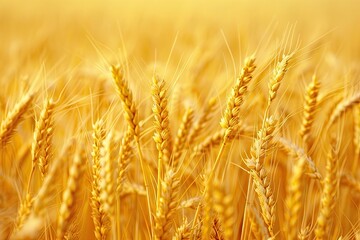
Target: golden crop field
x,y
179,119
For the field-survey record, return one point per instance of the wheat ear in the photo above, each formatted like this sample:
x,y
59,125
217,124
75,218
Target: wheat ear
x,y
167,205
183,231
124,159
293,199
259,173
100,218
277,76
162,134
295,151
126,96
41,148
23,212
310,106
107,185
12,120
131,116
67,207
202,122
343,106
329,195
231,118
182,134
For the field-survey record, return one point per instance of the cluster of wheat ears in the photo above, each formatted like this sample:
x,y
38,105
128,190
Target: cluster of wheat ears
x,y
234,137
180,184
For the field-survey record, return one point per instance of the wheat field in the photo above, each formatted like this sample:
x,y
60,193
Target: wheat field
x,y
179,119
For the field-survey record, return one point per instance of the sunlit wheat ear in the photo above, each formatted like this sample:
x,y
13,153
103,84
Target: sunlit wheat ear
x,y
231,117
277,76
257,225
293,198
23,212
202,121
13,118
223,205
260,175
310,107
100,218
41,147
295,151
125,153
343,106
182,134
329,195
107,185
128,103
67,207
190,203
167,205
162,134
183,232
350,182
